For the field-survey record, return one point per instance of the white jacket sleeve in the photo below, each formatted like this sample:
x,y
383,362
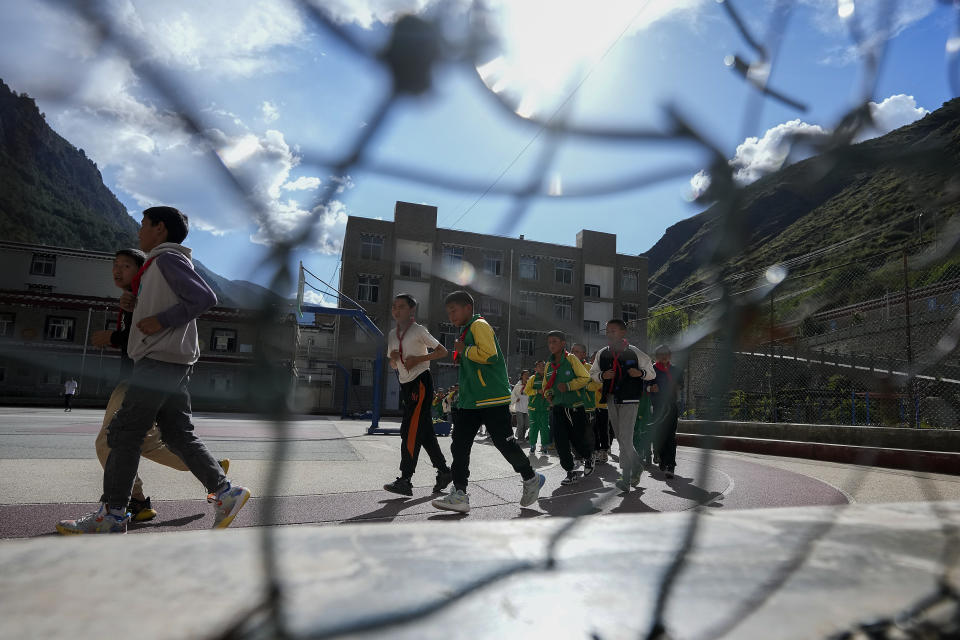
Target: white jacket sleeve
x,y
595,372
645,364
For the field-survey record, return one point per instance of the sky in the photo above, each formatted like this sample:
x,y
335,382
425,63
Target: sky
x,y
280,99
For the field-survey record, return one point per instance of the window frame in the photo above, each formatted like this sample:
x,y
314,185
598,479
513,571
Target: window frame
x,y
588,290
371,243
564,267
7,326
43,260
493,258
562,303
529,261
373,288
231,340
623,280
71,330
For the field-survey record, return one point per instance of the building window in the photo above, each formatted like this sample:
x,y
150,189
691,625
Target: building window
x,y
529,269
490,307
563,308
493,263
452,255
223,340
563,272
368,288
591,327
371,246
362,374
525,344
59,328
931,304
447,335
221,382
528,304
591,290
43,264
956,298
410,269
6,324
629,313
630,280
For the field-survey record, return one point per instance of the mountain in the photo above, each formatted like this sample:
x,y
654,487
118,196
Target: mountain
x,y
52,194
877,188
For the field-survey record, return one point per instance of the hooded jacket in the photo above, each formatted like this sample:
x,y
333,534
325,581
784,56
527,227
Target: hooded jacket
x,y
623,387
174,292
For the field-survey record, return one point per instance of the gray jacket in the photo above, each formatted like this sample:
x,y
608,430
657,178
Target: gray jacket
x,y
174,292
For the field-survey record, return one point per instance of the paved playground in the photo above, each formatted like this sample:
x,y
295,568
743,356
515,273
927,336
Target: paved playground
x,y
333,473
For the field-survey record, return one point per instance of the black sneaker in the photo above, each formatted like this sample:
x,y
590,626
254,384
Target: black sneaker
x,y
669,473
401,485
572,477
587,468
140,510
444,478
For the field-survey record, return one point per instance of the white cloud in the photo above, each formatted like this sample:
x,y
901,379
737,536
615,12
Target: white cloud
x,y
269,111
367,13
757,157
303,183
313,297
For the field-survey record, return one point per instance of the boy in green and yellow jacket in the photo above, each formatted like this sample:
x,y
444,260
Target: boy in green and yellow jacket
x,y
484,399
566,377
539,409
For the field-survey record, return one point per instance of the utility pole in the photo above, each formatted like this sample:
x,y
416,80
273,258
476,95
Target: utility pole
x,y
906,302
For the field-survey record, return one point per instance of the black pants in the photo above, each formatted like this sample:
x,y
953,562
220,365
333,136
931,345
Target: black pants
x,y
157,392
568,426
466,425
416,430
601,430
665,432
68,401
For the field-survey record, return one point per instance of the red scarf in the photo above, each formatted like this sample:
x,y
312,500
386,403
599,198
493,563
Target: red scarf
x,y
617,369
463,336
553,374
665,368
400,339
135,288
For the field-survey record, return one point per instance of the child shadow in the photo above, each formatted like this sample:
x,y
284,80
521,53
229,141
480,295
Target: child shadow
x,y
391,508
448,515
176,522
632,502
683,487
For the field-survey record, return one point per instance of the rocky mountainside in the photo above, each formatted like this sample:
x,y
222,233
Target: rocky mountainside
x,y
815,204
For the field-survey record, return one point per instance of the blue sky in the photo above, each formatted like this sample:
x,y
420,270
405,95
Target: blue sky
x,y
275,90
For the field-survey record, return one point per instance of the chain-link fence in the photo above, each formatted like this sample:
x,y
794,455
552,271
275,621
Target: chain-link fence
x,y
869,333
853,343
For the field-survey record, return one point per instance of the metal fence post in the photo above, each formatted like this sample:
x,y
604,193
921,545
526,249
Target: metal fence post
x,y
906,302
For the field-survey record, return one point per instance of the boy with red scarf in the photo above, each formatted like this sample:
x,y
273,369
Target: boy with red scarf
x,y
663,394
621,368
564,377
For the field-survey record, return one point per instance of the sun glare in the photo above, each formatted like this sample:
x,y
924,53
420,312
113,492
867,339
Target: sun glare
x,y
549,45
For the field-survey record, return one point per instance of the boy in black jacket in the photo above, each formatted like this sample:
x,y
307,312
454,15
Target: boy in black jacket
x,y
621,368
663,394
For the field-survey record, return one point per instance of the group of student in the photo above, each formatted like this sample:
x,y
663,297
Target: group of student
x,y
557,398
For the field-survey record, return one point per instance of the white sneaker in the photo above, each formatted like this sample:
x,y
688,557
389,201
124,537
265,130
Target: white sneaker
x,y
531,490
456,500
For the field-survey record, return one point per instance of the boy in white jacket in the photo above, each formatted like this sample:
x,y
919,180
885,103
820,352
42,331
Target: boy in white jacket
x,y
167,297
520,402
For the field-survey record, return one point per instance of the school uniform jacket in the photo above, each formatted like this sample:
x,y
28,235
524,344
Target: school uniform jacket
x,y
483,370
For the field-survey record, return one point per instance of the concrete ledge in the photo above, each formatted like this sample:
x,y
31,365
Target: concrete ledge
x,y
881,437
869,562
928,461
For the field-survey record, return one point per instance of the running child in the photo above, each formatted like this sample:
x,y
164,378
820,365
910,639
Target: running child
x,y
565,377
539,409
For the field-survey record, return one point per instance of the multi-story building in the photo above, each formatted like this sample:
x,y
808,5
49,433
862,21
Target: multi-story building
x,y
52,299
524,288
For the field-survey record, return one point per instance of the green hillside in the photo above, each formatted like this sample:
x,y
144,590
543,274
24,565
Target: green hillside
x,y
50,192
877,190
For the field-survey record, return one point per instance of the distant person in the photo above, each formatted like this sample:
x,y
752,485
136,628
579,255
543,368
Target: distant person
x,y
538,409
622,368
565,377
166,298
663,395
521,405
126,264
69,390
411,348
484,396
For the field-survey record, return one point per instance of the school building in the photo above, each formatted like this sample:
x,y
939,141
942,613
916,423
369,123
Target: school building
x,y
524,288
53,298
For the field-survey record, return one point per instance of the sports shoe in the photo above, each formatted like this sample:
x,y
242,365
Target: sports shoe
x,y
669,473
225,465
572,477
602,456
456,500
100,521
531,490
228,504
587,468
140,510
622,484
401,485
533,451
635,477
544,451
444,478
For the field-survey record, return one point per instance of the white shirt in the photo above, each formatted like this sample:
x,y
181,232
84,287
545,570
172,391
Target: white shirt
x,y
519,399
417,341
70,387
